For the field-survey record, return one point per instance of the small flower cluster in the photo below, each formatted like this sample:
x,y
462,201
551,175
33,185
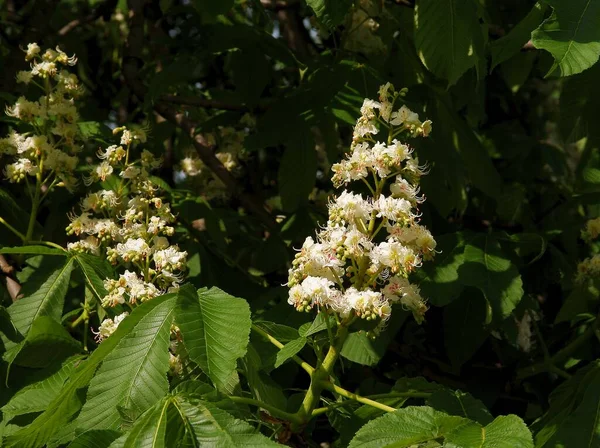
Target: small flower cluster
x,y
230,153
129,225
590,267
360,261
48,152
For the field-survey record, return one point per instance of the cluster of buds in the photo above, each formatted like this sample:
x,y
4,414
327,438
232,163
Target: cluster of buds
x,y
590,267
129,224
229,142
360,262
47,152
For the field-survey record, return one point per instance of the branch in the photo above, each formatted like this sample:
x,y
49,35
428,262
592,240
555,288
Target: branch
x,y
274,411
103,10
132,62
352,396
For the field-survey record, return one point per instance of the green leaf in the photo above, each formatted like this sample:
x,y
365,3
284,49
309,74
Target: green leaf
x,y
97,438
415,425
511,44
464,326
448,37
46,342
438,280
209,9
330,12
37,396
282,333
359,348
34,250
289,350
148,431
487,268
43,295
297,170
317,325
460,403
406,427
94,270
68,401
133,376
215,328
210,426
262,386
574,416
571,34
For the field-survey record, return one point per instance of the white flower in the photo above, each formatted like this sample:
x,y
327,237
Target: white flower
x,y
24,77
350,207
405,116
395,256
33,50
169,259
134,249
109,326
393,209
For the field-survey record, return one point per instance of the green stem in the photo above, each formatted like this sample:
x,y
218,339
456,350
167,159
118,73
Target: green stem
x,y
306,366
274,411
12,229
561,355
340,404
352,396
34,207
322,373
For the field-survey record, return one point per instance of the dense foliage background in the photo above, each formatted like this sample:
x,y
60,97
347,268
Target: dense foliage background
x,y
262,95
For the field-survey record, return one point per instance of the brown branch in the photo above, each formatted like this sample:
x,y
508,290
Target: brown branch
x,y
12,286
103,10
132,62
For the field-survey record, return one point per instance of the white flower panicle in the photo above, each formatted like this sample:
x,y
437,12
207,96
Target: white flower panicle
x,y
47,152
129,225
359,263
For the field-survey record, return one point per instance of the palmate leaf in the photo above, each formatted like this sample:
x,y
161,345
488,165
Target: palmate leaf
x,y
34,250
215,328
68,402
414,425
133,376
97,438
571,34
448,37
289,350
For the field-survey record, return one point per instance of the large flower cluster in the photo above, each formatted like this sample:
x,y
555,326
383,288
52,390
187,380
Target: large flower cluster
x,y
46,153
230,152
129,224
360,261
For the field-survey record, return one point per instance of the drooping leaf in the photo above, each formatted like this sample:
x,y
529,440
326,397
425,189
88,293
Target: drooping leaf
x,y
262,386
464,326
510,44
43,295
215,328
359,348
289,350
571,34
37,396
46,342
133,376
330,12
458,41
487,268
574,416
68,402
